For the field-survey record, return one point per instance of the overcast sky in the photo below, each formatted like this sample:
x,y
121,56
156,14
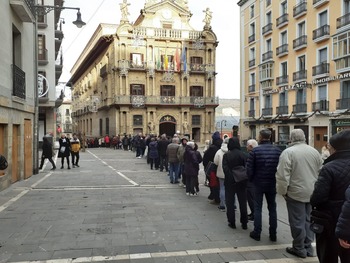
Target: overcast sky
x,y
225,24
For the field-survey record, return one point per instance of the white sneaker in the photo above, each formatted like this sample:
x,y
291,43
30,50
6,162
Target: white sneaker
x,y
139,157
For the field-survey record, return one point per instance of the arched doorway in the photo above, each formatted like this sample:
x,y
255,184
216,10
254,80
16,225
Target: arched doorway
x,y
167,125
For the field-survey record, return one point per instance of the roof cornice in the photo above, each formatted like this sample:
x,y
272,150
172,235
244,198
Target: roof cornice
x,y
242,2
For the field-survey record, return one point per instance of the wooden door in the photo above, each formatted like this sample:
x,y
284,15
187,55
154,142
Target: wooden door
x,y
28,149
2,144
15,153
320,137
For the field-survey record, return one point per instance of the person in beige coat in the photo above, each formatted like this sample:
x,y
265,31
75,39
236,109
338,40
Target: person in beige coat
x,y
296,175
220,173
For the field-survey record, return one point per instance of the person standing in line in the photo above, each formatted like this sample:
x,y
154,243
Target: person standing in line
x,y
162,147
219,155
209,154
261,169
191,167
180,156
329,195
171,153
296,175
47,153
251,144
125,142
153,153
64,150
199,159
234,157
75,148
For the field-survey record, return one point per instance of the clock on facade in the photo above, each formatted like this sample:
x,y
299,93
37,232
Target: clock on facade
x,y
166,13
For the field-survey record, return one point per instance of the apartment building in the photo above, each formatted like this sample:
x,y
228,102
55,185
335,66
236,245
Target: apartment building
x,y
154,76
295,70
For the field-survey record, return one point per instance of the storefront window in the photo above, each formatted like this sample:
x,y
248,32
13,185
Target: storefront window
x,y
283,134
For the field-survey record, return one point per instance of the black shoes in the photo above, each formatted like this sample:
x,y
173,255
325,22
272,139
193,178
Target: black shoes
x,y
273,238
233,226
68,168
62,167
295,252
244,226
251,217
254,236
53,168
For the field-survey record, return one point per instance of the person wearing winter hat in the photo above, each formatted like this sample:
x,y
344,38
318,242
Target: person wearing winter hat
x,y
180,156
191,168
329,195
209,155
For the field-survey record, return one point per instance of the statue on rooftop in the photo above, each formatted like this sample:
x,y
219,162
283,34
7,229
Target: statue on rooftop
x,y
208,17
124,10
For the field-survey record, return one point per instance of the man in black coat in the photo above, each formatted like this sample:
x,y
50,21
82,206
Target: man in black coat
x,y
47,153
329,195
261,168
209,155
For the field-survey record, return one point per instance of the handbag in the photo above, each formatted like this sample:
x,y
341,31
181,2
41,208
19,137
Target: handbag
x,y
239,173
211,167
63,149
213,179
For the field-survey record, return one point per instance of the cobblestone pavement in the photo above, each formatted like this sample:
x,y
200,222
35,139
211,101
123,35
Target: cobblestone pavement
x,y
113,208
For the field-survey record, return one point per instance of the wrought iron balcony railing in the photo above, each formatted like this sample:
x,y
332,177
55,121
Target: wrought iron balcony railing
x,y
320,69
282,110
251,38
343,21
252,62
322,105
282,20
343,103
267,111
300,75
321,33
282,80
300,108
300,42
282,50
267,55
251,113
300,9
251,88
267,29
19,82
318,3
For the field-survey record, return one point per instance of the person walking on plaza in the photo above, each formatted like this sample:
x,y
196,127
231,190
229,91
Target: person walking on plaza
x,y
64,150
209,155
220,173
47,153
75,148
296,175
328,197
171,153
162,147
251,144
261,168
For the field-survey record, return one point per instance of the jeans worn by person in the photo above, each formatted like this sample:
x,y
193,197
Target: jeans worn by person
x,y
174,172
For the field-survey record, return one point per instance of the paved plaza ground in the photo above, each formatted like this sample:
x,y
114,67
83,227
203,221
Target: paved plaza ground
x,y
113,208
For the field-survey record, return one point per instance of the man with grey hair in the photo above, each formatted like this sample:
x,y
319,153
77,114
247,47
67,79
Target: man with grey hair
x,y
251,144
174,163
296,175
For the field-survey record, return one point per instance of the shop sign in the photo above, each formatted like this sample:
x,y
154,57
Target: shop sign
x,y
282,89
344,122
331,78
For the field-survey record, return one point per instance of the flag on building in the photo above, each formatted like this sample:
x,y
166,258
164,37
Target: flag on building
x,y
177,63
184,59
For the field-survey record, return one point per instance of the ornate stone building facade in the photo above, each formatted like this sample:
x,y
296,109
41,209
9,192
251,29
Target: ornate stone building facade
x,y
156,75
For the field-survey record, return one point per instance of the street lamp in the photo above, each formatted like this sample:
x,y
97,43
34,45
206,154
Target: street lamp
x,y
223,121
44,9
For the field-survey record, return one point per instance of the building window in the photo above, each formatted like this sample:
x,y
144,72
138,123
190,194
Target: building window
x,y
251,11
101,123
137,89
345,90
322,55
167,90
284,39
322,92
301,29
196,60
137,120
268,3
268,101
252,29
301,63
284,8
323,18
301,96
341,45
283,99
268,18
252,54
284,69
268,45
196,91
107,125
196,120
67,112
283,134
252,104
42,48
136,60
266,71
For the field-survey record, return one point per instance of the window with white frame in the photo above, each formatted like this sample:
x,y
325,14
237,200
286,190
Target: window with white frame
x,y
268,101
284,39
284,7
268,45
252,54
323,55
284,68
341,45
323,18
301,63
252,11
301,29
322,92
252,29
268,18
283,99
266,71
301,96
